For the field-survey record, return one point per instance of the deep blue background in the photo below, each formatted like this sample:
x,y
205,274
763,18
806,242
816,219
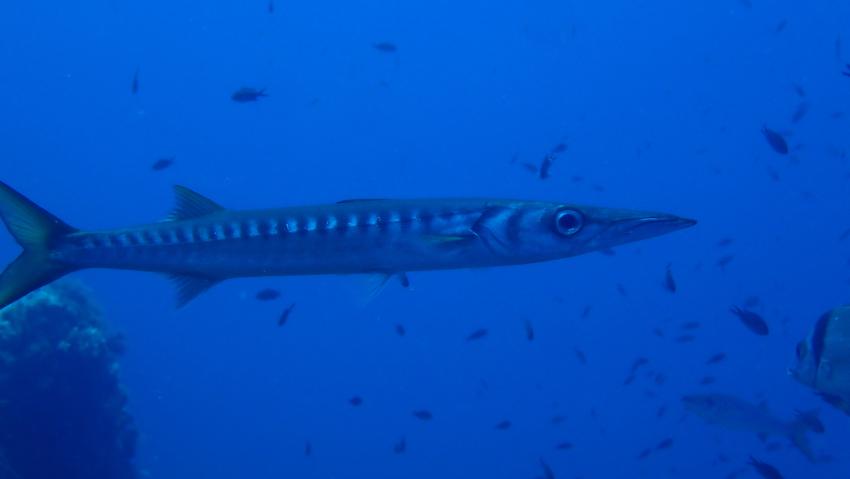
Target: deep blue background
x,y
661,103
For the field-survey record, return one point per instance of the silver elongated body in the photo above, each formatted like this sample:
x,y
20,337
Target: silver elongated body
x,y
203,243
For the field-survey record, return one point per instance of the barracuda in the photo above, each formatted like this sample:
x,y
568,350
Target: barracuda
x,y
202,243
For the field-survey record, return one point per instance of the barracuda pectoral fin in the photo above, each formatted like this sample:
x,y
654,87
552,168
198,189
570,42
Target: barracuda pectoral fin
x,y
373,284
189,286
190,204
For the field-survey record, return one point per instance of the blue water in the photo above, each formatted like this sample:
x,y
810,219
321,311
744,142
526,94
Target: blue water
x,y
661,104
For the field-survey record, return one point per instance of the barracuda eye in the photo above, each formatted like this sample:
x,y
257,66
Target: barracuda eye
x,y
568,222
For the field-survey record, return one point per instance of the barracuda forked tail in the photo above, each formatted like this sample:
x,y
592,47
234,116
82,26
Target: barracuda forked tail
x,y
37,231
202,243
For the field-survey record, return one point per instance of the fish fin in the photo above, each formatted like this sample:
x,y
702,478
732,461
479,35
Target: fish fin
x,y
452,239
189,286
370,287
799,428
404,280
38,233
191,204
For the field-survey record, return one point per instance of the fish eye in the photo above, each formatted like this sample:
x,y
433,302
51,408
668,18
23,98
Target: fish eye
x,y
568,222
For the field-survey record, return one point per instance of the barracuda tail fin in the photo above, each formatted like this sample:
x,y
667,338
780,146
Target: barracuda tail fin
x,y
37,231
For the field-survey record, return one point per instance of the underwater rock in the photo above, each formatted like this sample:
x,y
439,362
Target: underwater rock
x,y
62,408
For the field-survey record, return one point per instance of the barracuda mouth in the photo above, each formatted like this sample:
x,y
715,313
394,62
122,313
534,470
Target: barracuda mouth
x,y
651,226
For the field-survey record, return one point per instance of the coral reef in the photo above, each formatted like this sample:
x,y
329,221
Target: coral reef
x,y
62,408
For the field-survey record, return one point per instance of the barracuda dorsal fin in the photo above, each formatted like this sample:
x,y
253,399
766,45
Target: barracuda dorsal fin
x,y
191,204
190,286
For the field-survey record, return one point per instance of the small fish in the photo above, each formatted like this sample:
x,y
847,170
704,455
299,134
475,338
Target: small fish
x,y
308,449
798,89
780,26
267,294
622,290
685,338
644,454
385,47
846,71
707,381
662,410
724,261
716,358
558,419
477,334
401,446
564,446
669,282
134,86
547,471
800,112
270,6
775,140
664,444
423,414
503,425
582,358
559,148
399,329
660,379
284,316
638,363
545,166
530,167
658,332
691,325
162,163
764,469
629,379
724,242
751,320
247,95
355,401
585,313
529,330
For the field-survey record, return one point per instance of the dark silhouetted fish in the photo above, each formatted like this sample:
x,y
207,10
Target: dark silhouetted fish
x,y
564,446
582,358
664,444
401,446
558,419
800,112
547,471
751,320
267,294
685,338
385,47
780,26
669,281
724,261
546,165
812,420
503,425
134,86
355,401
846,71
775,140
638,363
423,414
644,454
308,449
629,380
529,330
559,148
724,242
585,313
477,334
270,6
691,325
716,358
248,94
660,379
798,89
662,410
707,381
399,329
622,290
284,316
764,469
162,163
